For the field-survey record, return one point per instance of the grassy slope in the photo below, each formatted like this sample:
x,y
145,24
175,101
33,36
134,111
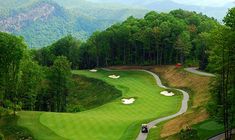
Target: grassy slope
x,y
31,120
199,92
208,128
11,131
112,120
87,93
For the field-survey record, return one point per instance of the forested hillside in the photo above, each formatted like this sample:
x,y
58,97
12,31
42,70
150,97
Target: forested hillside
x,y
157,39
41,22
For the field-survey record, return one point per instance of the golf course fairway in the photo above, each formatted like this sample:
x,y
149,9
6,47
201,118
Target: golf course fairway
x,y
112,121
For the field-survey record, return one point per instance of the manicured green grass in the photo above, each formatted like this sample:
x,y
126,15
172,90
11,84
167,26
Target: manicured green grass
x,y
31,120
208,129
113,120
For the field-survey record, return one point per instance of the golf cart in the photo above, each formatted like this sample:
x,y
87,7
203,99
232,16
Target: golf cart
x,y
144,128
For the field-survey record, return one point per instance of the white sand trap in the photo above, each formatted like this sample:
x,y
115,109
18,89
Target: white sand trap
x,y
114,76
93,70
128,101
166,93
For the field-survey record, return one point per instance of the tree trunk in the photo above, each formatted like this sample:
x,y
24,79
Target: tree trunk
x,y
181,57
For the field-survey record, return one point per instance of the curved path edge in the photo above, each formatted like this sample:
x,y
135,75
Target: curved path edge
x,y
196,71
183,109
220,136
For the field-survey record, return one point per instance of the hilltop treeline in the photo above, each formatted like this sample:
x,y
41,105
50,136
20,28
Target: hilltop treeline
x,y
157,39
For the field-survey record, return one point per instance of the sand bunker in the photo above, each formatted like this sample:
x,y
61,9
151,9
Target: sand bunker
x,y
166,93
93,70
128,101
114,76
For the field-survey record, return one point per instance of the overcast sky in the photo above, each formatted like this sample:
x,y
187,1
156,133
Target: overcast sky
x,y
205,2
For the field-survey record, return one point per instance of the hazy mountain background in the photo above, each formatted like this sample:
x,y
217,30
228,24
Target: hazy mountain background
x,y
41,22
211,10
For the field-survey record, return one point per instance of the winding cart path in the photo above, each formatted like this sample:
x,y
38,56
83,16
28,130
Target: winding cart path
x,y
182,110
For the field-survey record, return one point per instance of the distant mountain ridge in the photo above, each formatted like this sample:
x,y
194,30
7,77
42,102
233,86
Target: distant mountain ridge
x,y
41,11
42,22
168,5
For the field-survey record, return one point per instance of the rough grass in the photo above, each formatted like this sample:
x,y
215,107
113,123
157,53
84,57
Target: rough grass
x,y
113,120
9,130
198,87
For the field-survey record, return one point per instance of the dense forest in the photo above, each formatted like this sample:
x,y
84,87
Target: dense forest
x,y
222,62
24,84
42,80
157,39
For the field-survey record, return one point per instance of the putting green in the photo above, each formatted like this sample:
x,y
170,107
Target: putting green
x,y
113,120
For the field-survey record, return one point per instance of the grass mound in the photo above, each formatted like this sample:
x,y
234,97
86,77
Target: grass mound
x,y
89,93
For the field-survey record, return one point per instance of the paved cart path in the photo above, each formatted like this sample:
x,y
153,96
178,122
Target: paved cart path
x,y
182,110
220,136
196,71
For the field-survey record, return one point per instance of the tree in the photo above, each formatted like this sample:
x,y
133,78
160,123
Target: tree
x,y
202,47
31,77
12,51
59,80
183,45
223,60
94,41
67,46
229,19
228,73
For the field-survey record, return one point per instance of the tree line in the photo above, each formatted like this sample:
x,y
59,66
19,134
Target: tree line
x,y
222,62
27,85
157,39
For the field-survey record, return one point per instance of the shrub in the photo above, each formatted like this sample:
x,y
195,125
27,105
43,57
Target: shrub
x,y
11,130
4,112
75,108
188,134
2,136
